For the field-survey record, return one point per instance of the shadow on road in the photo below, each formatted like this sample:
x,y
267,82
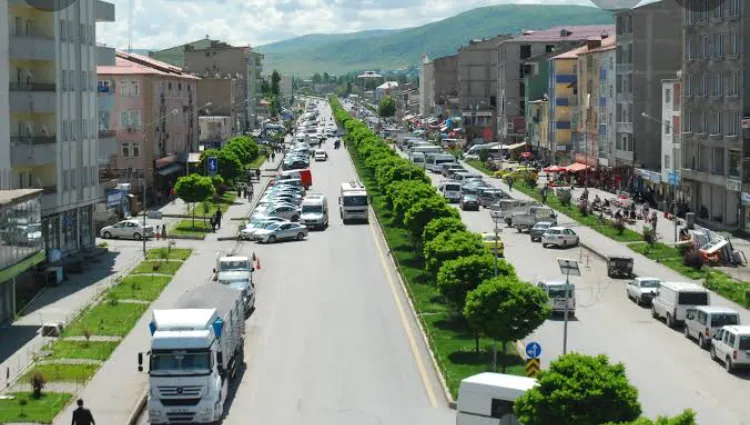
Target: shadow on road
x,y
13,338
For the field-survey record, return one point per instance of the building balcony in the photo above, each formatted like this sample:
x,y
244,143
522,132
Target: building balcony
x,y
103,134
33,151
33,98
49,198
103,11
32,46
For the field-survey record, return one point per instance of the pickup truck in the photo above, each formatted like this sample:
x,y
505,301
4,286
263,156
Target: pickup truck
x,y
504,208
525,218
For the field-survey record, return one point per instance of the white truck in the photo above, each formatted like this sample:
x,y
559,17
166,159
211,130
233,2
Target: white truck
x,y
196,350
488,398
353,202
237,272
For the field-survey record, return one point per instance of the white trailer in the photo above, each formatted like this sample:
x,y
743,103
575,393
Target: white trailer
x,y
196,350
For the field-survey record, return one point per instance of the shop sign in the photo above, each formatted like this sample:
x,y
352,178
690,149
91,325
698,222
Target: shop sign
x,y
745,198
114,198
734,185
674,178
654,177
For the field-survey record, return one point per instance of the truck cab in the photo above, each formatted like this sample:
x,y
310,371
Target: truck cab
x,y
487,398
237,273
353,202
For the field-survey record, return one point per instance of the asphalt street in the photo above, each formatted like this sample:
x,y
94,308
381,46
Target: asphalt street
x,y
671,373
331,341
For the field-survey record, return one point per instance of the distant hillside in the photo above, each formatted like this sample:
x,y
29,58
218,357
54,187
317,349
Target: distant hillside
x,y
393,49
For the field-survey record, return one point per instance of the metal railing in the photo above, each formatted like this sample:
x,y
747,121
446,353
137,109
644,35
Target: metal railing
x,y
107,133
29,86
31,33
34,140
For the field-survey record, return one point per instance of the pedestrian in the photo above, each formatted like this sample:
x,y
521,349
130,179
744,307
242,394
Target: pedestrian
x,y
218,218
273,156
158,234
164,232
172,194
544,194
510,184
82,415
250,192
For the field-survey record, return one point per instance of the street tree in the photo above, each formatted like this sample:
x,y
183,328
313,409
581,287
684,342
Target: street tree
x,y
446,224
275,80
316,79
265,88
194,189
405,195
578,389
424,211
448,246
326,77
457,277
387,107
685,418
348,87
230,167
505,309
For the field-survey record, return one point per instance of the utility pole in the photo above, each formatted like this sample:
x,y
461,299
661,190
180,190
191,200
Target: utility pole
x,y
569,268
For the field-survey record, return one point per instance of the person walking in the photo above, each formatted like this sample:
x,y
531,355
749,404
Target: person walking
x,y
82,415
250,192
510,184
218,218
212,221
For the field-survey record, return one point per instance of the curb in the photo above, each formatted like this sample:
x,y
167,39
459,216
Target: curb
x,y
228,238
415,315
594,251
186,237
138,410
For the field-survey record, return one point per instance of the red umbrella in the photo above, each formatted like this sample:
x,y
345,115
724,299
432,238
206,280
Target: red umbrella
x,y
555,169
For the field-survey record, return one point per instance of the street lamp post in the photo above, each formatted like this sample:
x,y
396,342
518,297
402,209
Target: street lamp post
x,y
568,268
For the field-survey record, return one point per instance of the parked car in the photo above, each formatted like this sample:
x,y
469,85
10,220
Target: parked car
x,y
469,202
731,346
538,230
287,211
560,237
248,233
321,155
281,231
643,289
128,229
703,322
494,244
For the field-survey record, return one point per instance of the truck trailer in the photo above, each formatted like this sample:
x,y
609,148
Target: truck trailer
x,y
196,351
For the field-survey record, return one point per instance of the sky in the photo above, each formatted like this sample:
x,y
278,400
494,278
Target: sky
x,y
158,24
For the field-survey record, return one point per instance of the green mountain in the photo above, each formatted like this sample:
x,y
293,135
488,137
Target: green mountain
x,y
393,49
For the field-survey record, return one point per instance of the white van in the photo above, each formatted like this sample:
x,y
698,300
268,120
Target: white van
x,y
556,292
703,322
434,161
451,191
314,212
674,299
427,149
417,158
487,398
493,149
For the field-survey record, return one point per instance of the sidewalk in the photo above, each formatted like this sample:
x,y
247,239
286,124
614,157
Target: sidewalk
x,y
20,341
117,390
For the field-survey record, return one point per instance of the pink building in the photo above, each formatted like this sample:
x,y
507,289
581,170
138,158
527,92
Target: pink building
x,y
154,115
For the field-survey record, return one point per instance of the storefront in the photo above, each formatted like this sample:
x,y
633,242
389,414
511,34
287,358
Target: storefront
x,y
745,197
68,232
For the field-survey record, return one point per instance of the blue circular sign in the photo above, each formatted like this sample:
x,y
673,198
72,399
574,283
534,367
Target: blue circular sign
x,y
533,350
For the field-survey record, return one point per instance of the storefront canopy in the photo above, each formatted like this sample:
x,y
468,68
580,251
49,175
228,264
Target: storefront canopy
x,y
574,168
514,146
170,169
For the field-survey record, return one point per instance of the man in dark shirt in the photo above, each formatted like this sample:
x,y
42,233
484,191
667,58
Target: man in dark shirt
x,y
82,415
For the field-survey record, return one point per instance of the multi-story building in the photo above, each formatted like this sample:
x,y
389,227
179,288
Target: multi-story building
x,y
671,155
715,103
108,147
426,81
286,89
537,125
445,86
388,88
176,55
240,62
477,87
222,97
649,49
52,116
155,120
536,98
596,105
512,53
563,103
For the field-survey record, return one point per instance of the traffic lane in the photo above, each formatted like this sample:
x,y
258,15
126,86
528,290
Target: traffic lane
x,y
326,343
670,372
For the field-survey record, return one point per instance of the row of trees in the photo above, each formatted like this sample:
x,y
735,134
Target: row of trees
x,y
576,388
272,93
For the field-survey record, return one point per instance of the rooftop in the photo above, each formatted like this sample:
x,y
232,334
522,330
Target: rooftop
x,y
606,44
580,33
135,64
16,196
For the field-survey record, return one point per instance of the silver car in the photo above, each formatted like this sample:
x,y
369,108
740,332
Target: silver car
x,y
248,233
287,211
128,229
281,231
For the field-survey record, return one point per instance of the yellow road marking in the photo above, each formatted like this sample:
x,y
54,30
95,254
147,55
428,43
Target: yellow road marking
x,y
404,320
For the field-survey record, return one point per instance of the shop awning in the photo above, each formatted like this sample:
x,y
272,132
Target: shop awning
x,y
170,169
514,146
408,117
194,157
577,167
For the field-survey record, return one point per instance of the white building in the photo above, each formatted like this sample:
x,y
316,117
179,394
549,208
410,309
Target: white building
x,y
49,119
386,89
285,88
426,77
670,134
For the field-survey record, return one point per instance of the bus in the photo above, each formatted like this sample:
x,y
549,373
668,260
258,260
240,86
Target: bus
x,y
353,202
434,161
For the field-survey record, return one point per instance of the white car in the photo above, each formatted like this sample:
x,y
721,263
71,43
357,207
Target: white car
x,y
248,233
287,211
128,229
281,231
643,289
731,346
559,236
320,155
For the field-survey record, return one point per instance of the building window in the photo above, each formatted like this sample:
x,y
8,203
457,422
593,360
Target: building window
x,y
734,164
667,96
733,123
718,162
124,88
735,8
688,85
734,43
126,150
734,83
136,150
135,119
666,162
667,127
688,122
125,119
135,89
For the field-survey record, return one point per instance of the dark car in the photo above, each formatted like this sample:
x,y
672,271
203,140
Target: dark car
x,y
538,230
297,164
469,202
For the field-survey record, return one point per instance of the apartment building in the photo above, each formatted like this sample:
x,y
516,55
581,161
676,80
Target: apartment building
x,y
108,147
715,146
477,87
426,76
670,136
154,117
536,99
223,97
52,116
512,52
445,85
286,90
649,49
563,104
596,102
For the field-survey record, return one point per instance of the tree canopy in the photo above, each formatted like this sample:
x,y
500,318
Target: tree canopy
x,y
387,107
194,188
459,276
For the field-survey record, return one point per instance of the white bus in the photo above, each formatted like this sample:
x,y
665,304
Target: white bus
x,y
434,161
417,158
353,202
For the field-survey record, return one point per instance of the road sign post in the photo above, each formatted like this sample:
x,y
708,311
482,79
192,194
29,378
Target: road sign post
x,y
568,268
532,367
533,350
213,166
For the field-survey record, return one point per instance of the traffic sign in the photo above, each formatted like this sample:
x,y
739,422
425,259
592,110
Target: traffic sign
x,y
213,165
533,350
532,367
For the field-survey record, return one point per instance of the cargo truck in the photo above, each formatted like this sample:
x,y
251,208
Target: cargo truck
x,y
196,351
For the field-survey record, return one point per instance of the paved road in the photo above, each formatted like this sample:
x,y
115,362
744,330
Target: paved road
x,y
671,373
328,343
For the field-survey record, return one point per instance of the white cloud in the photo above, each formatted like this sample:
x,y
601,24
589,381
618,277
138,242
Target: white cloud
x,y
165,23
